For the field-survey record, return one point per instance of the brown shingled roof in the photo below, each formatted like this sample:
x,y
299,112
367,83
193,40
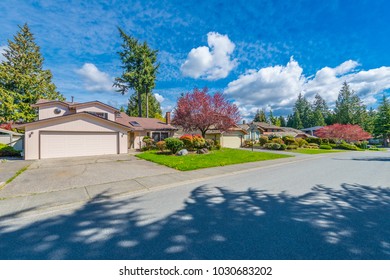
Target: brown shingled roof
x,y
145,123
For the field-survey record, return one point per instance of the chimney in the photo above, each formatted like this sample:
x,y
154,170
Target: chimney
x,y
244,122
72,98
168,118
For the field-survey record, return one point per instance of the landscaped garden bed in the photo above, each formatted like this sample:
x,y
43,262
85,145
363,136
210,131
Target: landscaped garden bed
x,y
222,157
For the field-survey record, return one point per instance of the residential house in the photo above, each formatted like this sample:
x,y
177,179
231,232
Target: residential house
x,y
11,138
232,138
311,130
256,129
69,129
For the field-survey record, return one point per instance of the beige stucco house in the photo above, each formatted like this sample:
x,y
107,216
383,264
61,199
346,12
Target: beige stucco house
x,y
68,129
232,138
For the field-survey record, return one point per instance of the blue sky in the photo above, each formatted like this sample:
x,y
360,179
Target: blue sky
x,y
261,54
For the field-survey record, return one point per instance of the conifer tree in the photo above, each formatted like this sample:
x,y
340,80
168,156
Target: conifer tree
x,y
382,121
23,81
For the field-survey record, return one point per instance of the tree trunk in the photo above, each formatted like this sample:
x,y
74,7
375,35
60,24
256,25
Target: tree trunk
x,y
147,103
139,105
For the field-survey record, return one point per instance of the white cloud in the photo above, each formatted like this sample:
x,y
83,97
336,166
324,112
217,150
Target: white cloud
x,y
2,52
95,80
279,86
159,97
212,62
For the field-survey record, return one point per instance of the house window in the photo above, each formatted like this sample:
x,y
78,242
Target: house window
x,y
98,114
159,136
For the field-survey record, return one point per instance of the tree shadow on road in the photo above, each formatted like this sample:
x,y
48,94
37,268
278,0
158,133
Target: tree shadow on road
x,y
216,223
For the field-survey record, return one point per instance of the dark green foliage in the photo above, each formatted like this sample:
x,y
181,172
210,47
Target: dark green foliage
x,y
139,63
382,120
349,108
260,116
173,144
22,79
362,145
345,146
314,140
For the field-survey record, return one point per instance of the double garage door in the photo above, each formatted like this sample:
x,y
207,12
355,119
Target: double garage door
x,y
232,141
55,144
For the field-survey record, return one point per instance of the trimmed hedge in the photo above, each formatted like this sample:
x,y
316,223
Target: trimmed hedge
x,y
8,151
325,147
173,144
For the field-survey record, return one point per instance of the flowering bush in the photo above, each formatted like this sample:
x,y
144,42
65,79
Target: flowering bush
x,y
198,141
188,141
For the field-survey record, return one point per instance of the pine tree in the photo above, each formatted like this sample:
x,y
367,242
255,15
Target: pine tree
x,y
139,63
303,113
349,108
260,116
320,111
282,121
154,106
22,78
382,121
290,121
297,123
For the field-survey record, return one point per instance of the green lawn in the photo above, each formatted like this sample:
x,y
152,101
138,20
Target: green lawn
x,y
315,151
222,157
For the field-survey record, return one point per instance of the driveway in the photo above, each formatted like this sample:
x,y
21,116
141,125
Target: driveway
x,y
51,175
9,167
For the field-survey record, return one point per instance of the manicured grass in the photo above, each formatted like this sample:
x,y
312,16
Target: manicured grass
x,y
221,157
314,151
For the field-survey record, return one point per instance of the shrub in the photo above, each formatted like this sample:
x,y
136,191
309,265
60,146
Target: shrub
x,y
217,145
273,146
332,141
8,151
325,141
248,143
325,147
188,141
289,140
292,147
198,142
312,146
263,140
301,142
362,145
346,146
278,141
173,144
149,143
161,145
314,140
283,147
210,144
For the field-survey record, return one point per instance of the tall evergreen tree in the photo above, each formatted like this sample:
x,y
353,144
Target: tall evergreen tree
x,y
139,63
382,121
290,121
260,116
23,81
369,123
320,111
154,106
282,121
271,118
303,113
349,108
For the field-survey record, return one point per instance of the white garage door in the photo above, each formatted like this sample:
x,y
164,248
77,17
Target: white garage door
x,y
73,144
231,141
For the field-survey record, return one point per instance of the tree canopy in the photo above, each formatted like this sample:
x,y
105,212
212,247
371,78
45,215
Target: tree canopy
x,y
382,120
198,110
347,132
23,81
139,64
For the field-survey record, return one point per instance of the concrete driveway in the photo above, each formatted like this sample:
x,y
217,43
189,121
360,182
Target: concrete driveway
x,y
52,175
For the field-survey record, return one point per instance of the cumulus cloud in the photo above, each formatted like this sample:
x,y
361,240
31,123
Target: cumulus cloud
x,y
2,52
213,62
159,97
95,80
279,86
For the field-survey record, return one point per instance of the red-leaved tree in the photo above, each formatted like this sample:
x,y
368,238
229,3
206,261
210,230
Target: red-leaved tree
x,y
198,110
347,132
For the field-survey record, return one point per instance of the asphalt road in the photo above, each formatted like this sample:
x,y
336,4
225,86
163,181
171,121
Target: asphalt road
x,y
326,207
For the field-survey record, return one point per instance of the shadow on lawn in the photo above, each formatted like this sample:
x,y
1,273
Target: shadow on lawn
x,y
347,223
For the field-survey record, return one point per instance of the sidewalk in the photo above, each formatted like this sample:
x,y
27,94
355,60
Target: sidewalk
x,y
40,202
